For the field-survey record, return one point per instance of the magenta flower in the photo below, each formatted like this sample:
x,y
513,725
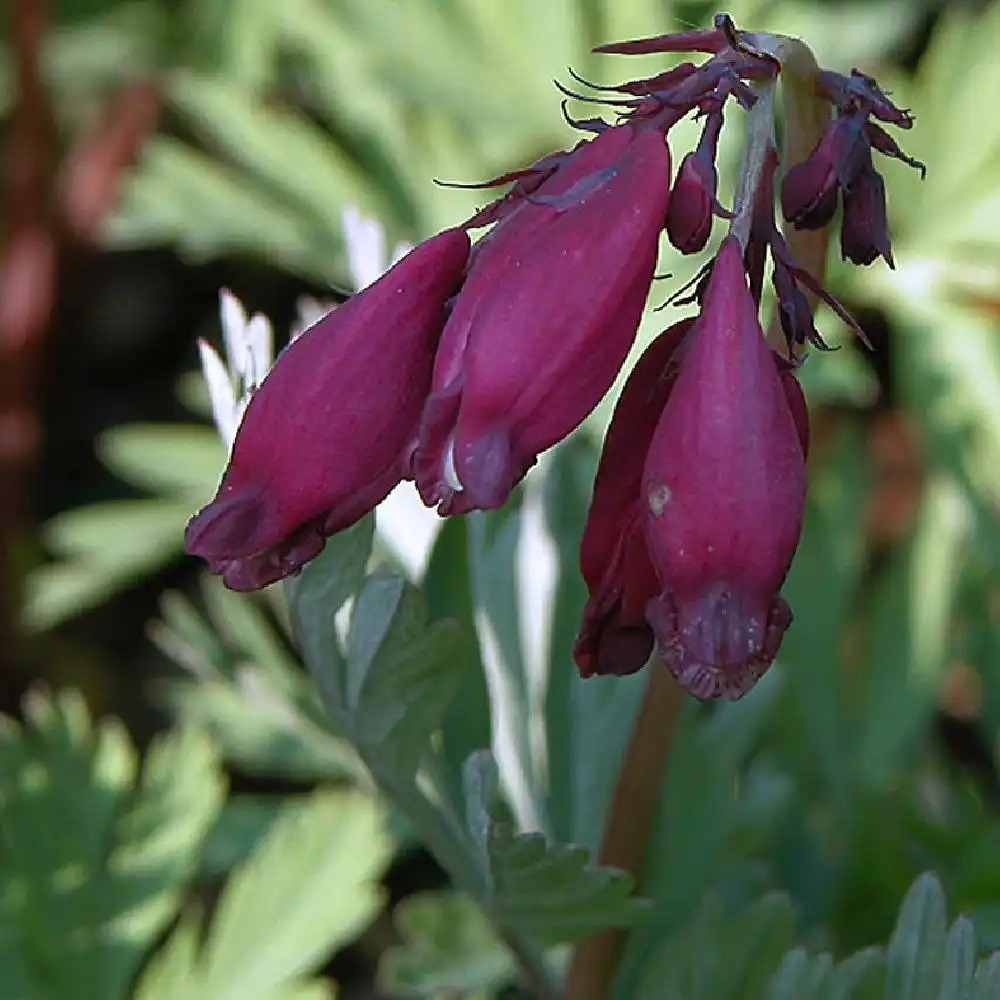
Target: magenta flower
x,y
723,494
324,437
693,201
545,320
864,235
842,162
615,637
810,189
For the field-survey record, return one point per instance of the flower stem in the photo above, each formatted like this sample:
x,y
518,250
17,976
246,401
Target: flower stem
x,y
633,810
806,117
760,141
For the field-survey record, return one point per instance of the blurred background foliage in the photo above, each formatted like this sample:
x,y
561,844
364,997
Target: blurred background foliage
x,y
202,143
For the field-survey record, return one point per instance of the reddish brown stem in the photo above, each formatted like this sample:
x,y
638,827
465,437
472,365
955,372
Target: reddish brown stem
x,y
633,810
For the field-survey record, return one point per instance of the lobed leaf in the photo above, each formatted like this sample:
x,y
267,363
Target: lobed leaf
x,y
94,852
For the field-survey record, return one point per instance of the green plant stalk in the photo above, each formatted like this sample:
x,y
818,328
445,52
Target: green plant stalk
x,y
806,119
760,141
449,845
445,838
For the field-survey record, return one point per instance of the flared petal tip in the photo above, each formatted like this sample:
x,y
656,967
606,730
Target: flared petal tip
x,y
709,682
227,533
609,647
721,645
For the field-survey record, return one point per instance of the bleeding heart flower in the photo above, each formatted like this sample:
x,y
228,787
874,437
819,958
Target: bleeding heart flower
x,y
723,494
545,321
324,437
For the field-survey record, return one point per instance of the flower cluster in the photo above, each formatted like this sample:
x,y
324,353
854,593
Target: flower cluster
x,y
465,361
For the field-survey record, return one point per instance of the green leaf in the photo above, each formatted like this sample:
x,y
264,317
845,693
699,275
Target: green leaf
x,y
318,593
959,961
822,588
696,826
800,977
580,782
280,146
401,673
466,726
687,968
95,854
917,950
860,977
308,889
241,826
988,978
544,892
247,691
184,196
910,627
181,460
99,549
494,545
449,948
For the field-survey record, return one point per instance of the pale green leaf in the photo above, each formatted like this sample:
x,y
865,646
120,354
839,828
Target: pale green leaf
x,y
449,948
317,594
247,690
801,977
753,943
860,977
910,630
186,460
279,146
988,978
92,868
466,726
959,970
401,674
546,893
495,539
308,888
580,782
185,197
242,825
101,548
917,949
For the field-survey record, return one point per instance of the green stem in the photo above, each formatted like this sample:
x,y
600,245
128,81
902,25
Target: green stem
x,y
760,142
446,839
806,117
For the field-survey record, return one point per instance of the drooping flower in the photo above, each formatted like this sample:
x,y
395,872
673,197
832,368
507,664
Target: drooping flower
x,y
324,437
864,234
723,494
809,191
693,201
842,163
615,637
545,320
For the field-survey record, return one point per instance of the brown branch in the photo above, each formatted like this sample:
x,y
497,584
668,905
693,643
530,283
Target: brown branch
x,y
633,810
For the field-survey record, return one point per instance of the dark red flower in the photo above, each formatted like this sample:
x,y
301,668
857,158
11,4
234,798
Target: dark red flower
x,y
723,495
809,190
324,437
545,321
615,637
864,233
693,200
